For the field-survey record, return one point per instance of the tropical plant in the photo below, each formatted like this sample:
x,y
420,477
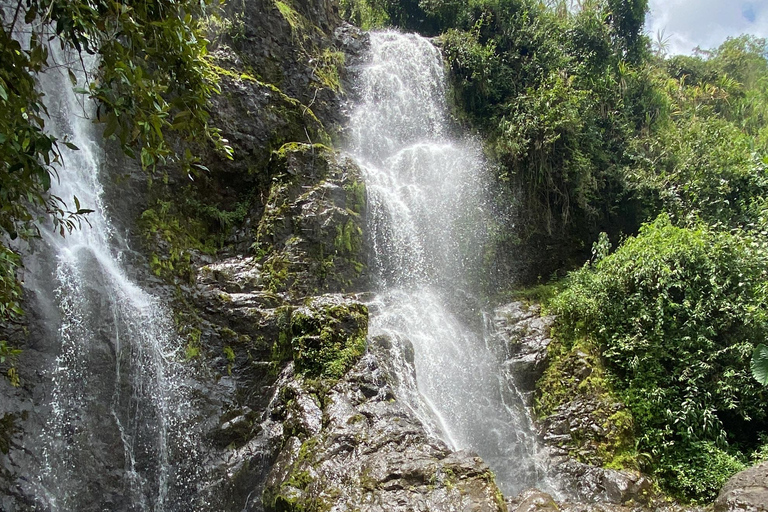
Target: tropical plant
x,y
676,313
759,365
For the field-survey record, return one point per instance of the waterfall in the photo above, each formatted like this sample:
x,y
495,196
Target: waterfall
x,y
118,435
427,212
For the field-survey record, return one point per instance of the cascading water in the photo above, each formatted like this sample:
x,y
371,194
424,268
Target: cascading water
x,y
118,435
426,193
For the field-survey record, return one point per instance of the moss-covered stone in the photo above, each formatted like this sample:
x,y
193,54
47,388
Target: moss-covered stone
x,y
580,411
324,338
290,495
310,237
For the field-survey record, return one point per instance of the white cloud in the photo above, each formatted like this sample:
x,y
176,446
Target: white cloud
x,y
705,23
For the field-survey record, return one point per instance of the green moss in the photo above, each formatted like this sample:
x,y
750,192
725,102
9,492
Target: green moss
x,y
297,22
281,348
193,347
327,68
181,235
228,334
349,238
275,272
355,196
302,148
292,494
188,324
324,341
327,342
577,371
180,222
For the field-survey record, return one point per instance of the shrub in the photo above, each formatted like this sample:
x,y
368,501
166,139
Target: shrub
x,y
676,313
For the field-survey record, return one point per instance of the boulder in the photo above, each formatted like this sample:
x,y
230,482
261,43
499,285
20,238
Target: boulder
x,y
524,334
746,491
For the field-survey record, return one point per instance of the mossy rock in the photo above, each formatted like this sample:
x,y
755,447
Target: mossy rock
x,y
579,409
324,338
310,237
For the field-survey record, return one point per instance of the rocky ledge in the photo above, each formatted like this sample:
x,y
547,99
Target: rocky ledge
x,y
584,424
357,447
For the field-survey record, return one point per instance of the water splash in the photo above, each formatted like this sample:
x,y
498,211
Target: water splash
x,y
426,197
119,435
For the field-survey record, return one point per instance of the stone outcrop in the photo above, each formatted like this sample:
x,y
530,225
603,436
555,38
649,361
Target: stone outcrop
x,y
746,491
310,237
330,433
580,430
360,448
525,335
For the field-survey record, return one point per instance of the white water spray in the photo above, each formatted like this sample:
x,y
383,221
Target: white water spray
x,y
118,436
426,197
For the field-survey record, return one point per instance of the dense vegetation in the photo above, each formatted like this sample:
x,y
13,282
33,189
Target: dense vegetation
x,y
596,129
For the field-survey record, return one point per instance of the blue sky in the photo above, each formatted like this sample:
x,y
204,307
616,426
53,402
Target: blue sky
x,y
705,23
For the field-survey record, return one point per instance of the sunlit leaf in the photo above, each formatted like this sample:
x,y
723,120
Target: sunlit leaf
x,y
759,364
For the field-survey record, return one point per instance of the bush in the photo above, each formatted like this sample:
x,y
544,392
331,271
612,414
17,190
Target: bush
x,y
676,313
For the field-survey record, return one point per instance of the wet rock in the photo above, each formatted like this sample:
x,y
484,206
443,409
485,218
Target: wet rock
x,y
285,47
746,491
532,500
525,335
353,41
587,424
235,427
373,454
591,484
310,236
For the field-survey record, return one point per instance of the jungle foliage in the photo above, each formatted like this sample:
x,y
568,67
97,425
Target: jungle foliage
x,y
679,309
594,128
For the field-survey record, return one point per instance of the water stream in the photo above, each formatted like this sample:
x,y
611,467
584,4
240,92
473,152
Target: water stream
x,y
117,435
427,213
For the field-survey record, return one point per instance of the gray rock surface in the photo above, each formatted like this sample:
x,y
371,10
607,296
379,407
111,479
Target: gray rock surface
x,y
590,484
371,453
310,238
524,333
746,491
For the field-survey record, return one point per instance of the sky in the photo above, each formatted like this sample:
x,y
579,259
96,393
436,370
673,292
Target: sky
x,y
705,23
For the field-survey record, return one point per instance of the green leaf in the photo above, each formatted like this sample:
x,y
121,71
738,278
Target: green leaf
x,y
760,364
112,125
30,15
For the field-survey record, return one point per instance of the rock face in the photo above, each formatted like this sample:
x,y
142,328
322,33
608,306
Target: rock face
x,y
330,432
580,426
745,492
310,238
360,448
524,334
